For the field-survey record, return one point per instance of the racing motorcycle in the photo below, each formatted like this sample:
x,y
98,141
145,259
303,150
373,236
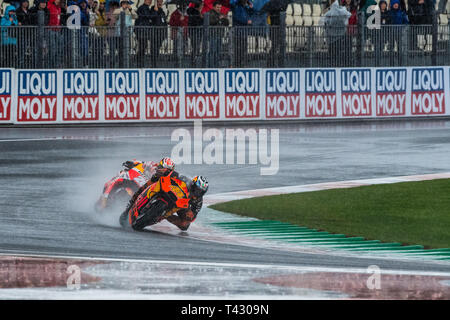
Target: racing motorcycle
x,y
156,203
122,187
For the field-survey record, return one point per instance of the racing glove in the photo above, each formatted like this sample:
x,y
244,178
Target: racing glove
x,y
195,205
128,164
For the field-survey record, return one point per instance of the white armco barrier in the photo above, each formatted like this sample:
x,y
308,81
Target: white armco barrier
x,y
141,95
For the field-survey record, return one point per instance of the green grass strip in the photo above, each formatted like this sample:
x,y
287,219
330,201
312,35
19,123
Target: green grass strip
x,y
411,213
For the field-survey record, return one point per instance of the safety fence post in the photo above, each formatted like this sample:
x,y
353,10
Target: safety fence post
x,y
122,41
40,40
434,38
179,47
205,42
282,34
232,35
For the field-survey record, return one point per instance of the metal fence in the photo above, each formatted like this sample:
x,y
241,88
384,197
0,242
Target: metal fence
x,y
216,47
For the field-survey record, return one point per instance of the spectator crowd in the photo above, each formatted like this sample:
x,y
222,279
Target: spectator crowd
x,y
103,24
396,12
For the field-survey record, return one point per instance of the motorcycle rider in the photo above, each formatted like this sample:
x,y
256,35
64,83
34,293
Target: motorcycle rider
x,y
134,175
198,186
144,167
163,168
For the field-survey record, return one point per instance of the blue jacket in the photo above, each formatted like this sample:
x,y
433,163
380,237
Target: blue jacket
x,y
84,14
6,22
398,16
259,17
241,14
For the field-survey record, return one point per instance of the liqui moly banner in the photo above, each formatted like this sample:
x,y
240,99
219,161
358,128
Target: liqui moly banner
x,y
428,91
356,92
81,101
162,94
320,93
242,98
102,96
5,95
390,92
122,95
37,96
282,94
202,100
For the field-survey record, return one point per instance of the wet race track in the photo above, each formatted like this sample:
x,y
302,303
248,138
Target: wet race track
x,y
50,178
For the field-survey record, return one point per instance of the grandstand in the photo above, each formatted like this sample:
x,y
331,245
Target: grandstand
x,y
301,40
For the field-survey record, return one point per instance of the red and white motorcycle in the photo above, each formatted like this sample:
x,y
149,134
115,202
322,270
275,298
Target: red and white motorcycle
x,y
122,187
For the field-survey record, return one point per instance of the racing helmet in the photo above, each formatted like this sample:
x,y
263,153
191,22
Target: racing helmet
x,y
199,186
165,166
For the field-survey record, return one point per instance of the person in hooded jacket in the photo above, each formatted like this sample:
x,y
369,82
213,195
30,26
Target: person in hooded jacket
x,y
364,9
8,40
40,16
158,32
385,16
64,14
382,33
142,34
335,23
23,42
420,12
351,7
39,6
259,19
23,13
399,18
179,21
83,39
195,21
242,11
274,9
54,8
397,15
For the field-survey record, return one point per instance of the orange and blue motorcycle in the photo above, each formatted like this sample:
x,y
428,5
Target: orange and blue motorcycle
x,y
157,202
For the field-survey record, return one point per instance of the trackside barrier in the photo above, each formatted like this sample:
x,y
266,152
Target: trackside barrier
x,y
152,95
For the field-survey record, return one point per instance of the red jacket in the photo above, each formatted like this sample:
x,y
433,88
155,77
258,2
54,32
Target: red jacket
x,y
55,13
175,21
208,4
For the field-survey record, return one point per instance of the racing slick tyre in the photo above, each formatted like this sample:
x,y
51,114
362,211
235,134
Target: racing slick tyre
x,y
120,194
149,215
123,220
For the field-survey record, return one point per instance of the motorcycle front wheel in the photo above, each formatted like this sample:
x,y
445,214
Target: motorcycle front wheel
x,y
149,215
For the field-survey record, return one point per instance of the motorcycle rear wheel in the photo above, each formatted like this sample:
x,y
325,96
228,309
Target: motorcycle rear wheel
x,y
123,220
